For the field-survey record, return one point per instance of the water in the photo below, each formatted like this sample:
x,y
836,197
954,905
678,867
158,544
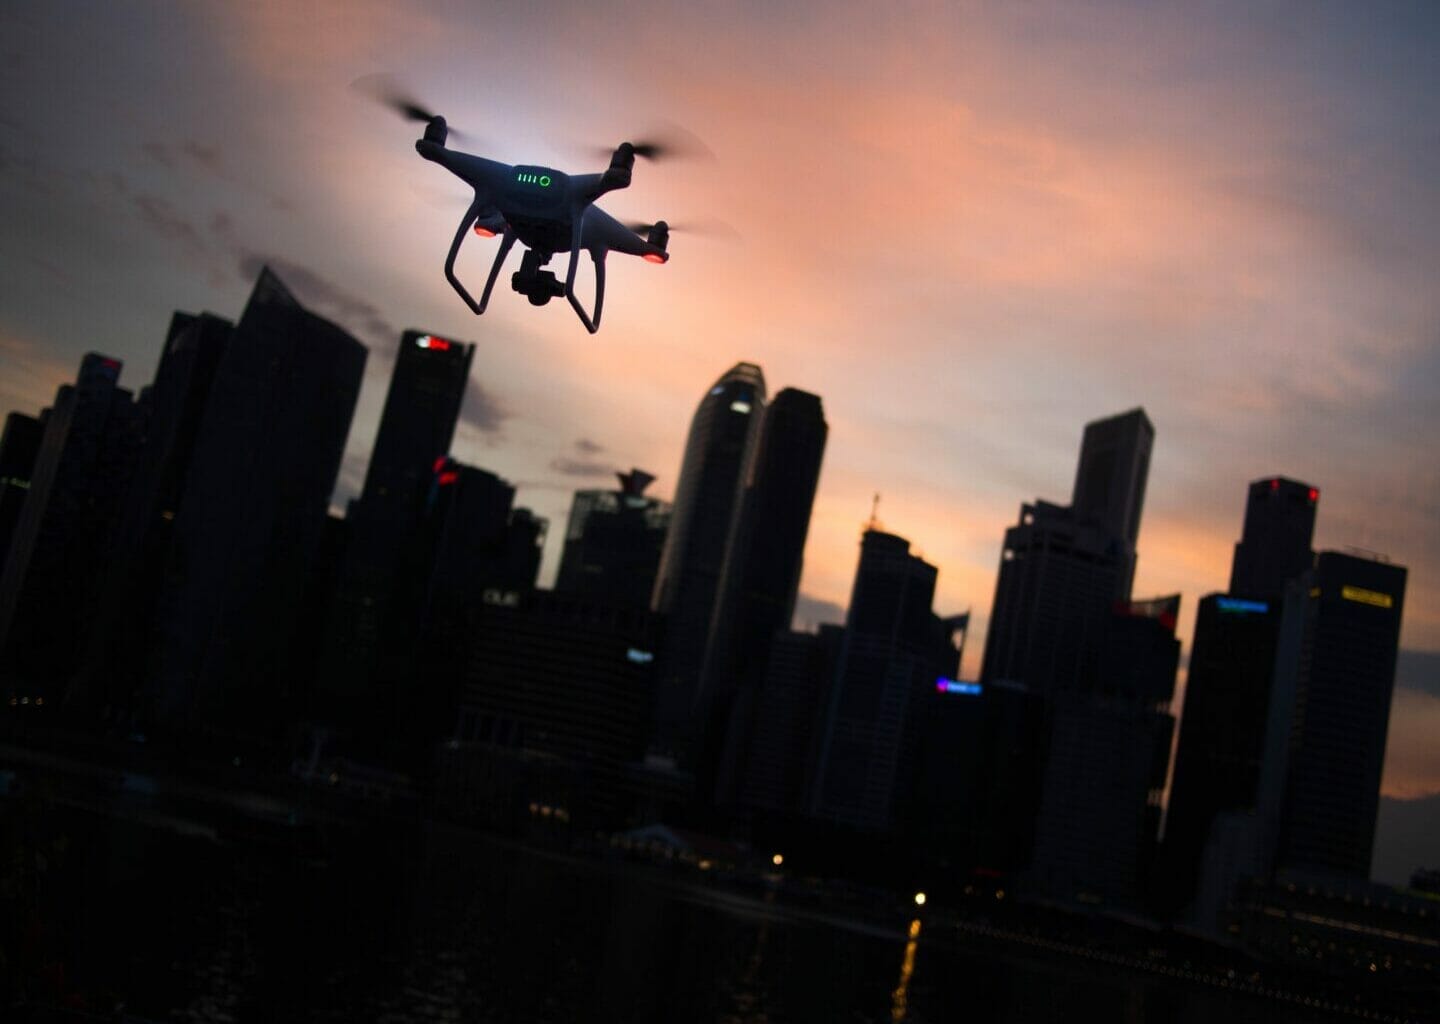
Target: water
x,y
181,921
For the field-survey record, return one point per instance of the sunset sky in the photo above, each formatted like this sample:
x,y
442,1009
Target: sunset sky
x,y
969,227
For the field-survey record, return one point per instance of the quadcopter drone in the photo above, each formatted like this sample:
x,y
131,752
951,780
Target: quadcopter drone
x,y
546,210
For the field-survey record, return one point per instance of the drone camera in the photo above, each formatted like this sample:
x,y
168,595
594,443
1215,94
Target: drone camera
x,y
539,287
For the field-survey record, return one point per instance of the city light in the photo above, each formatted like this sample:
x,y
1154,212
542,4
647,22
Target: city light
x,y
943,685
777,860
919,899
1363,596
1239,606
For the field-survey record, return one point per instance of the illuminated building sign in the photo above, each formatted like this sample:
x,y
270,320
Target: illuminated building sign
x,y
1363,596
431,342
943,685
639,657
1236,606
501,598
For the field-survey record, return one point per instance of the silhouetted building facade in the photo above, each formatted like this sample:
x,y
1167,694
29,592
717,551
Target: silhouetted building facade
x,y
1329,714
1060,578
554,707
767,770
1275,545
760,578
124,632
1227,693
51,573
613,543
422,407
1111,476
19,444
894,650
718,451
251,516
1105,766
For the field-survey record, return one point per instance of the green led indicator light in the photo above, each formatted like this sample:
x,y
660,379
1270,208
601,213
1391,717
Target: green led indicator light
x,y
543,180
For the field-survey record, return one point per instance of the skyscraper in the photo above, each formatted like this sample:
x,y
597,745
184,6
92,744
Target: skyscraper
x,y
47,592
1275,545
19,445
894,650
1111,475
1329,714
613,543
1232,664
718,451
1063,570
124,628
417,425
760,577
251,517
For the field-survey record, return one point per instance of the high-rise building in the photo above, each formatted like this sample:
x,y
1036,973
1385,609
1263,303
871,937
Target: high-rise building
x,y
422,407
1275,546
1064,570
895,648
1060,578
124,629
718,451
1111,475
47,593
613,543
1105,766
1222,729
19,445
1227,693
1329,713
760,578
251,516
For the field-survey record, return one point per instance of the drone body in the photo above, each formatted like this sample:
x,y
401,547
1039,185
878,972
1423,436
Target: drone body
x,y
548,212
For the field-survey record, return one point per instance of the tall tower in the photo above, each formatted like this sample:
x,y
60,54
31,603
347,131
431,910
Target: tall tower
x,y
1110,478
1329,714
894,650
252,513
761,575
1275,547
417,425
85,459
139,551
1064,570
19,445
1232,665
712,476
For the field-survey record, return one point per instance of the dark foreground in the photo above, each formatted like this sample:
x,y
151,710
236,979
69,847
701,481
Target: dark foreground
x,y
136,907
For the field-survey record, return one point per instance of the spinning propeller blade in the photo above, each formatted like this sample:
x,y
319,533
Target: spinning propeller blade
x,y
705,229
385,90
670,142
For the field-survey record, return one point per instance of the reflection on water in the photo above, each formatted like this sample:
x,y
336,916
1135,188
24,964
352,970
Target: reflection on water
x,y
432,924
907,968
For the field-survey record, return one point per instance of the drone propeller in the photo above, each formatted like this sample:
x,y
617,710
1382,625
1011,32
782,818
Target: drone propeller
x,y
705,229
386,91
670,142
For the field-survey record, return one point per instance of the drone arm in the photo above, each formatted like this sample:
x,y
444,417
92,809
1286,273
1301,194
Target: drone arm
x,y
465,222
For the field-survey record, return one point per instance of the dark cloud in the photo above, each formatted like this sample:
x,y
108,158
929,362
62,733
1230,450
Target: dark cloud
x,y
207,157
588,446
579,467
160,216
325,297
811,612
1419,670
481,410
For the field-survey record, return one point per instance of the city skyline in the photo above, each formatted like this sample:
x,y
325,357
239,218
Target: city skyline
x,y
1021,335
